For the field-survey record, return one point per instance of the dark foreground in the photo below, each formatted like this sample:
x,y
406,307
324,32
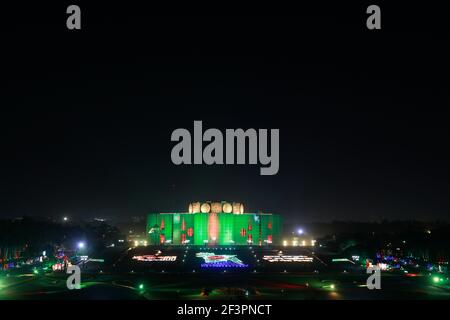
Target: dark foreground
x,y
198,286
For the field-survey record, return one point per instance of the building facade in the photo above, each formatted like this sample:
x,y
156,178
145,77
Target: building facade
x,y
214,223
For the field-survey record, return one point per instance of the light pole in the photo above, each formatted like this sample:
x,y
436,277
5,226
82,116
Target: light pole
x,y
80,247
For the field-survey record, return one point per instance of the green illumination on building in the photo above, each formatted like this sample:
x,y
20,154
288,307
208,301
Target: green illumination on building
x,y
218,228
226,229
200,228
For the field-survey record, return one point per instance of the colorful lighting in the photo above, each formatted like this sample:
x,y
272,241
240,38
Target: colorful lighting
x,y
213,227
287,258
220,261
341,260
152,258
57,267
226,264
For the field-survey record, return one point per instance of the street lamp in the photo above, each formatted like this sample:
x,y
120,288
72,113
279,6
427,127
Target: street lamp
x,y
300,231
81,245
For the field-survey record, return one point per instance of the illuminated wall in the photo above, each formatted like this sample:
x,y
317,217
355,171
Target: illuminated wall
x,y
200,228
214,228
160,228
277,229
226,229
187,228
240,229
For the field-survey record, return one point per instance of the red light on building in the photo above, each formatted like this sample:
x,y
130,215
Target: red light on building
x,y
213,227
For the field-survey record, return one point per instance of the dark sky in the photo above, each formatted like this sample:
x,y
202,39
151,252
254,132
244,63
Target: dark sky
x,y
86,116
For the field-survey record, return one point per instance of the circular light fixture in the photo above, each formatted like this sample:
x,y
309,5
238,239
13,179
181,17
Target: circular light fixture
x,y
227,208
205,208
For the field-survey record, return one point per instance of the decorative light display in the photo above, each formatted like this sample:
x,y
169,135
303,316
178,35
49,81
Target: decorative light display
x,y
154,258
213,260
227,264
342,260
58,267
383,266
213,227
437,279
282,258
218,223
60,254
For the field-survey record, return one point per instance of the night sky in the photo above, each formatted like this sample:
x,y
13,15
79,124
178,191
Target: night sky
x,y
86,116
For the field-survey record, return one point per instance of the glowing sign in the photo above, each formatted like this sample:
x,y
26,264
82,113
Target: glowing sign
x,y
383,266
283,258
342,260
152,258
57,267
220,261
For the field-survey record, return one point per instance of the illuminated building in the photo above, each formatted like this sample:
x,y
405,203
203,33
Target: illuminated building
x,y
303,241
214,223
